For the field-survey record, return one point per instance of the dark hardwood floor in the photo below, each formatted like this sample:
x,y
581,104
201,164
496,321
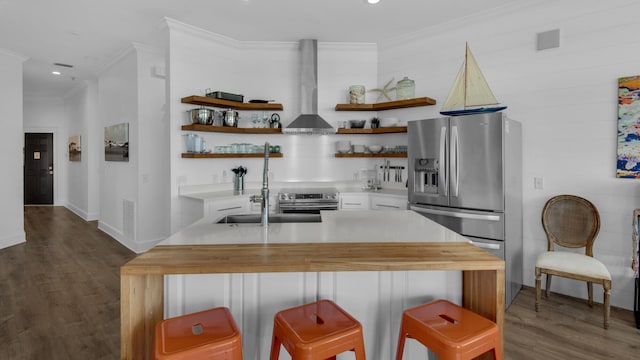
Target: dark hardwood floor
x,y
60,291
60,299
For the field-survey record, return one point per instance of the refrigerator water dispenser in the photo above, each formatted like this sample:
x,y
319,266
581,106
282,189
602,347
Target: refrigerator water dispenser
x,y
426,173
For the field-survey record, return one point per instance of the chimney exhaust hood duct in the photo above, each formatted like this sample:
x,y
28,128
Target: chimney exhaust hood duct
x,y
309,122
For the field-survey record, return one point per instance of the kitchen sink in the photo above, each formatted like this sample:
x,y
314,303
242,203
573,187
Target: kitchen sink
x,y
273,218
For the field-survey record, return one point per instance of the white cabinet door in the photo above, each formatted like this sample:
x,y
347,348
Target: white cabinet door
x,y
386,202
376,298
354,201
217,209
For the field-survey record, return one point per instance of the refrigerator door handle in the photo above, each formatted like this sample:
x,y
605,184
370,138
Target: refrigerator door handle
x,y
442,171
456,214
485,245
455,168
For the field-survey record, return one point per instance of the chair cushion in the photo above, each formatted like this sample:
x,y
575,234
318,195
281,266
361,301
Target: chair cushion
x,y
573,263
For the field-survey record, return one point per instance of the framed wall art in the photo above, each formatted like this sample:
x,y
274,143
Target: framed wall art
x,y
628,164
116,142
75,148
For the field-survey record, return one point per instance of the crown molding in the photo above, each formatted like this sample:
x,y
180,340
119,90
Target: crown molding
x,y
16,55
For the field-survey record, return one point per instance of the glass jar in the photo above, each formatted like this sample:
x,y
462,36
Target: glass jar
x,y
405,89
356,94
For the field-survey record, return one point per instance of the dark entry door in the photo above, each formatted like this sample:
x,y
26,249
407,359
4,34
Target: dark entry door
x,y
38,169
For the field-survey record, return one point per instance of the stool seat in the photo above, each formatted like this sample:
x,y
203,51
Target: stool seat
x,y
450,331
210,334
316,331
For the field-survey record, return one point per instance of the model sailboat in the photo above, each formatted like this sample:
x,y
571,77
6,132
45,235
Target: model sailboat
x,y
470,93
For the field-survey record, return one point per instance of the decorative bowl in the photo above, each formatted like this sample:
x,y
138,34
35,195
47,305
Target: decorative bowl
x,y
375,149
343,146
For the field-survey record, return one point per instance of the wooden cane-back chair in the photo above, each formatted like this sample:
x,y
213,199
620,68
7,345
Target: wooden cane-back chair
x,y
572,222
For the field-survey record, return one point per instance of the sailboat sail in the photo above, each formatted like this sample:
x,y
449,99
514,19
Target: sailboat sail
x,y
470,91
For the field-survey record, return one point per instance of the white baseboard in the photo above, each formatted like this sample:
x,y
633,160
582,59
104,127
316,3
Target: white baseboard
x,y
81,213
137,247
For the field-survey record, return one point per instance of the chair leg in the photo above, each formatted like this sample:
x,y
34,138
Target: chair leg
x,y
275,348
538,274
607,291
546,291
401,340
359,352
497,352
590,293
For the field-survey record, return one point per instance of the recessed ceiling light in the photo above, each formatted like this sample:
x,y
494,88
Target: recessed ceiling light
x,y
373,1
55,72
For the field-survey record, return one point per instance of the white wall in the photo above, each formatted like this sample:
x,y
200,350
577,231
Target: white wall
x,y
117,91
566,99
130,91
153,212
11,145
81,111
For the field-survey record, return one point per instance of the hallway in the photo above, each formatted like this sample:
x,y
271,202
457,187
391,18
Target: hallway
x,y
60,295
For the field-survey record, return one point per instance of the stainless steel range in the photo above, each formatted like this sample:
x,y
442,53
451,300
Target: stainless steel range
x,y
308,200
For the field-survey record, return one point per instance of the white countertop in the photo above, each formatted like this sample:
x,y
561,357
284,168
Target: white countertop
x,y
336,226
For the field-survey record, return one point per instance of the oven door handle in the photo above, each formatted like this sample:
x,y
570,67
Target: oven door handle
x,y
308,206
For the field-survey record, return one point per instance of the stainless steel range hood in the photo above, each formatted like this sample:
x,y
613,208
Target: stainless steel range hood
x,y
309,122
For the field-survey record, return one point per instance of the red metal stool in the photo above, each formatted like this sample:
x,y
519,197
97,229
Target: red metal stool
x,y
316,331
209,334
450,331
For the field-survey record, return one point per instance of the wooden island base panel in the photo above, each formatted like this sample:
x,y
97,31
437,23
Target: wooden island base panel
x,y
142,279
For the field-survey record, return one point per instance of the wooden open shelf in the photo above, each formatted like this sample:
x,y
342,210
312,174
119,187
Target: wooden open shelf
x,y
398,104
230,129
384,130
228,156
207,101
380,155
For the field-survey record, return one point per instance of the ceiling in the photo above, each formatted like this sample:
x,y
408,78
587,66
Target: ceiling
x,y
87,33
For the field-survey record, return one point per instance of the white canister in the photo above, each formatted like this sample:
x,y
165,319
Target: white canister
x,y
356,94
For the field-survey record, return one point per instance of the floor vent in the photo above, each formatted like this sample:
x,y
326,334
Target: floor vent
x,y
129,219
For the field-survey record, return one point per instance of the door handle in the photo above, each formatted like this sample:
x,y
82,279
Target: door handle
x,y
455,167
456,214
442,168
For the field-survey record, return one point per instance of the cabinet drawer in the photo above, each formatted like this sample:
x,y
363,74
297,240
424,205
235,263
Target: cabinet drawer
x,y
354,202
388,203
219,208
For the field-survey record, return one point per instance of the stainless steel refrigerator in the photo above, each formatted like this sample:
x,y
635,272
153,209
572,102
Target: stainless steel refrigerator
x,y
465,172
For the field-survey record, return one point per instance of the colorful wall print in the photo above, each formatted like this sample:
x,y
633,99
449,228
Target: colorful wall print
x,y
628,127
75,149
116,142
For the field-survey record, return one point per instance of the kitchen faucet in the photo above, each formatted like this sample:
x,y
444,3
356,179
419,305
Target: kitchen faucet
x,y
263,198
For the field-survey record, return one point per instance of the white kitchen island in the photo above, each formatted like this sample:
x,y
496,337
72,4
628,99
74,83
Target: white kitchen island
x,y
372,263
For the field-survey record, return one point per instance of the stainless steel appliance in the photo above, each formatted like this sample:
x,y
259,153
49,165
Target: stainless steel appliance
x,y
308,200
465,172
